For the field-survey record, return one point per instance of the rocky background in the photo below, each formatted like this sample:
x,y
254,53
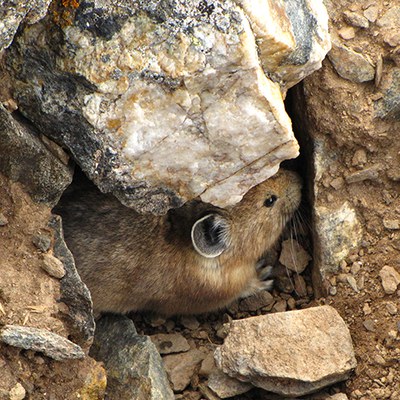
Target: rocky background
x,y
86,75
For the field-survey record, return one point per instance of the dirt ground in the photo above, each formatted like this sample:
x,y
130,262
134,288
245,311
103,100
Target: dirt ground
x,y
29,297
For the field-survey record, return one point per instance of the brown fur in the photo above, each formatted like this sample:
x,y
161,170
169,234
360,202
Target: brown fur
x,y
133,262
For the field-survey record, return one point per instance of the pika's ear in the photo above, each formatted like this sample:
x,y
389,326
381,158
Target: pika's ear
x,y
210,235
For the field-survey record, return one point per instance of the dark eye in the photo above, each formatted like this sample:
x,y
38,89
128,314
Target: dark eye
x,y
270,201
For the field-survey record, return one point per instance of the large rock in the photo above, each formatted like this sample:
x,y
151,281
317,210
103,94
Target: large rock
x,y
128,85
43,170
134,367
292,353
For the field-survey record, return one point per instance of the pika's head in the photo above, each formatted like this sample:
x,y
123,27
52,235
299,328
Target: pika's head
x,y
258,219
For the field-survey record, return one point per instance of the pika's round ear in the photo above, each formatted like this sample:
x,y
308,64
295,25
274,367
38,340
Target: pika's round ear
x,y
210,235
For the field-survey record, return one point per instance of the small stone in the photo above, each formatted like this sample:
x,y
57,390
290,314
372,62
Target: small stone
x,y
361,282
351,65
291,303
337,183
155,320
333,290
207,365
355,267
390,279
49,343
257,301
294,353
293,256
18,392
181,367
369,325
42,242
391,224
190,322
391,18
170,343
371,173
367,309
379,360
225,386
359,157
355,19
371,13
53,266
279,306
352,283
347,33
3,220
338,396
391,308
300,286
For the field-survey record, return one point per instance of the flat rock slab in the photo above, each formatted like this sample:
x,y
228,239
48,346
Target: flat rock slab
x,y
292,353
49,343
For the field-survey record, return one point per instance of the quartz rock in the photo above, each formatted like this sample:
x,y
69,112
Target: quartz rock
x,y
292,353
292,37
49,343
339,232
127,89
351,65
134,367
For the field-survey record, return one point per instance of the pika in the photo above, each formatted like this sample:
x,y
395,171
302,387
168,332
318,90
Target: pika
x,y
195,259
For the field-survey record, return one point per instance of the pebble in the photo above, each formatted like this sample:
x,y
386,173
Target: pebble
x,y
170,343
207,365
3,220
352,283
181,367
355,19
18,392
42,242
347,33
390,279
225,386
367,174
369,325
293,256
53,266
371,13
300,286
279,306
391,308
391,224
367,309
154,320
379,360
355,267
190,322
257,301
391,18
49,343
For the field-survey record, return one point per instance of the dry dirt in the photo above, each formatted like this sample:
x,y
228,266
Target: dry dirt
x,y
28,296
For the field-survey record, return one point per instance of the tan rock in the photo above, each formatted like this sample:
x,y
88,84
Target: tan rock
x,y
180,367
170,343
390,279
53,266
225,386
292,353
294,256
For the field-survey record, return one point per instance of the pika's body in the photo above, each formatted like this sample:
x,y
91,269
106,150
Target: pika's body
x,y
195,259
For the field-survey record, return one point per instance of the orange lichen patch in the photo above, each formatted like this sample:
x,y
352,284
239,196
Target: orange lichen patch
x,y
70,3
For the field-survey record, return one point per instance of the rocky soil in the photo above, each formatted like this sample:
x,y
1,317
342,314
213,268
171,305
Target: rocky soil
x,y
346,117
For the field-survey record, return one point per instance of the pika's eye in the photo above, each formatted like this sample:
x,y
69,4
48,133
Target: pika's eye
x,y
270,201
